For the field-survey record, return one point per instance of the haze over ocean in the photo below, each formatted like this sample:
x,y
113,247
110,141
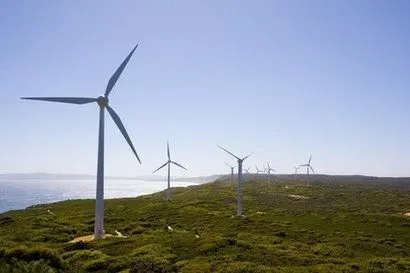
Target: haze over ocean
x,y
21,193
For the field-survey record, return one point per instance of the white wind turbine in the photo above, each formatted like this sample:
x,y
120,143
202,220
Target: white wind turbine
x,y
240,177
259,171
232,167
308,166
247,170
169,171
268,170
102,101
296,171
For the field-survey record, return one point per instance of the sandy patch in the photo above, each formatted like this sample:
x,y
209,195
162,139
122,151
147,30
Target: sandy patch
x,y
86,238
119,234
407,214
298,196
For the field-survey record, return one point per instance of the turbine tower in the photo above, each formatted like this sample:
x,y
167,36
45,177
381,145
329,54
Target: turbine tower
x,y
102,102
296,171
232,167
240,177
169,171
308,166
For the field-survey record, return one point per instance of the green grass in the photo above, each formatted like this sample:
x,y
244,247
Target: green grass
x,y
342,227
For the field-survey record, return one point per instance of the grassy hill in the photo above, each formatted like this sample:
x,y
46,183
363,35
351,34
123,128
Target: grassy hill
x,y
330,226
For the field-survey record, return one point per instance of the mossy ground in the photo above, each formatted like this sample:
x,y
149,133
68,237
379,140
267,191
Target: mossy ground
x,y
341,227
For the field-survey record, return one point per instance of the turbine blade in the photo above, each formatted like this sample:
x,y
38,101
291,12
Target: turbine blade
x,y
161,167
169,157
179,165
311,169
310,158
72,100
303,165
268,164
117,121
229,153
228,165
118,72
247,156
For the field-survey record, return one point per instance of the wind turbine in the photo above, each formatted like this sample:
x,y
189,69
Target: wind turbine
x,y
232,167
102,102
307,165
268,170
240,177
296,171
247,170
169,170
257,170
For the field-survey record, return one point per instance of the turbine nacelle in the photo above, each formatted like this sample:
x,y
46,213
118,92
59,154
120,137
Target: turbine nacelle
x,y
102,101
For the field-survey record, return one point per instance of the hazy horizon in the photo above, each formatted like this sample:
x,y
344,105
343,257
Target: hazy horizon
x,y
161,177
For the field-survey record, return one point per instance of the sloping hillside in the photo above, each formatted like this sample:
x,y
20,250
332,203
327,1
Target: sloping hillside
x,y
288,227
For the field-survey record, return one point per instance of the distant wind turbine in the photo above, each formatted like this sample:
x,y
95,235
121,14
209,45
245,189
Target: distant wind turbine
x,y
240,178
268,170
307,165
247,170
169,171
258,171
102,101
296,170
232,167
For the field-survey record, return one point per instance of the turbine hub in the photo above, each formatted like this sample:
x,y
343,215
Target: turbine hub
x,y
102,101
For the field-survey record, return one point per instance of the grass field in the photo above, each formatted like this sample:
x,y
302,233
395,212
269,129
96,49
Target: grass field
x,y
328,226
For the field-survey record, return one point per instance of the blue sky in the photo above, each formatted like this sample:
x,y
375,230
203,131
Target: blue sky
x,y
284,79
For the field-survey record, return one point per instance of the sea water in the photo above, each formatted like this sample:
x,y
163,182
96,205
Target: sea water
x,y
21,193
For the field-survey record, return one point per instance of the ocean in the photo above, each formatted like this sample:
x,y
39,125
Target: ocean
x,y
21,193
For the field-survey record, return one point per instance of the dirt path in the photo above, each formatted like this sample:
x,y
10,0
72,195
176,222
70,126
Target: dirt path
x,y
88,238
298,196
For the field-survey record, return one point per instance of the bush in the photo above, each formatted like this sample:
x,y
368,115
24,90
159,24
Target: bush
x,y
15,265
35,254
322,249
97,265
138,230
77,246
81,256
151,266
281,234
117,266
6,220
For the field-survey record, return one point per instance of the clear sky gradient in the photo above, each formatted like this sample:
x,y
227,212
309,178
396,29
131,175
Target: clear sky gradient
x,y
284,79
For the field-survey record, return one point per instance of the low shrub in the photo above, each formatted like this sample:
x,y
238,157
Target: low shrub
x,y
97,265
35,254
17,266
77,246
151,266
